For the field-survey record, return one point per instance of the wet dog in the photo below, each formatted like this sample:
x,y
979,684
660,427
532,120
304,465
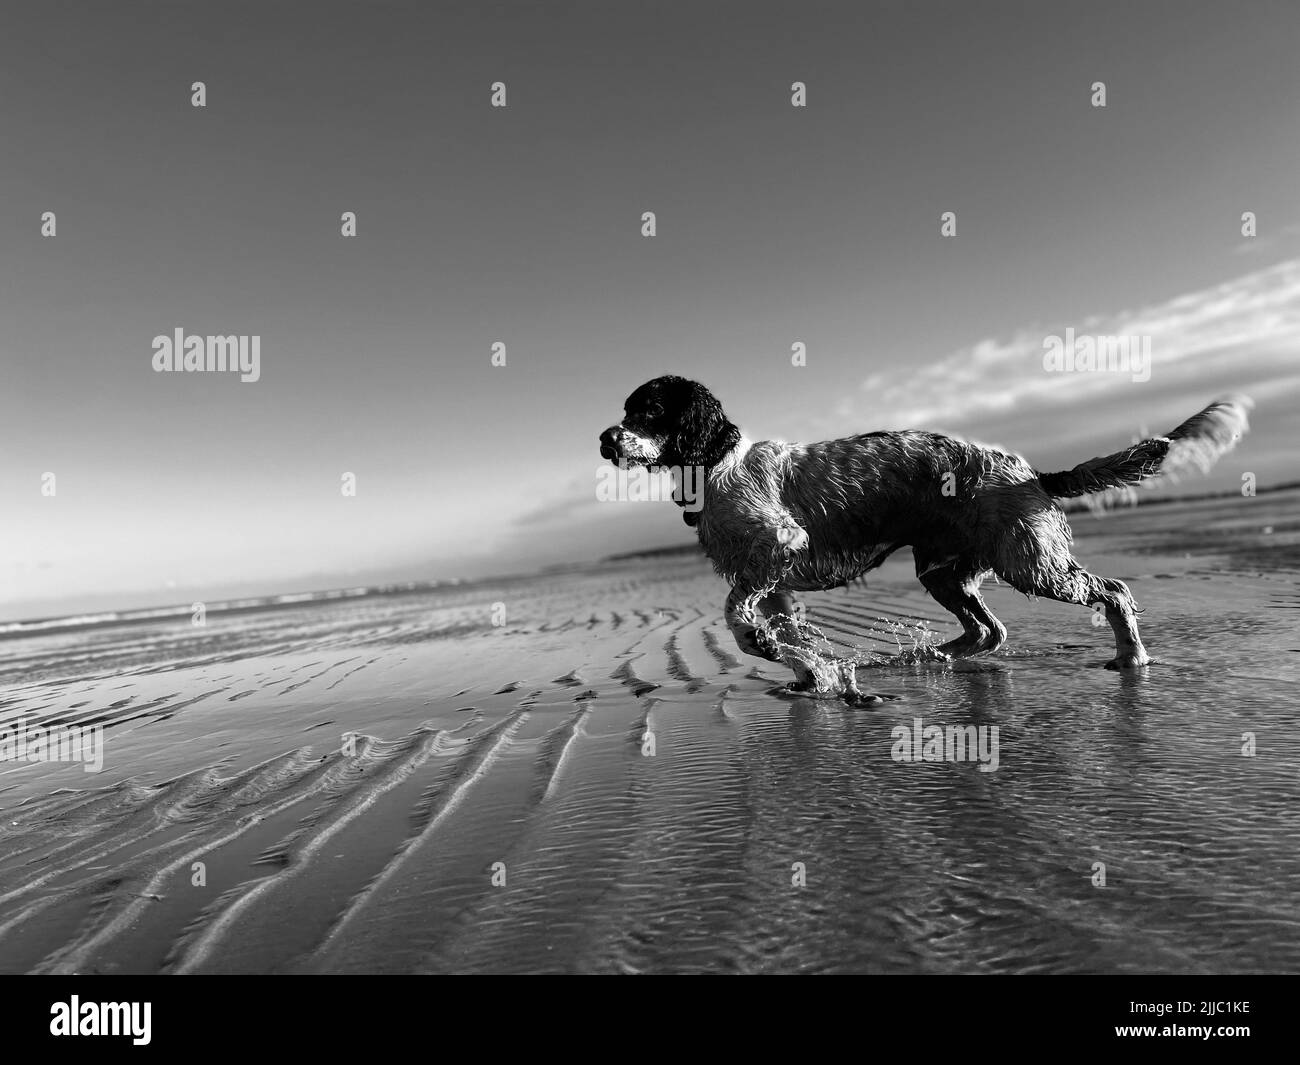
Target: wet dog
x,y
782,518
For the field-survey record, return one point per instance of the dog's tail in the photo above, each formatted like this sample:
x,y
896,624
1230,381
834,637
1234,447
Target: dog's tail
x,y
1195,444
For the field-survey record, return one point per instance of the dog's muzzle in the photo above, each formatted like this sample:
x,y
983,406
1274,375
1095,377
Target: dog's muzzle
x,y
623,447
609,444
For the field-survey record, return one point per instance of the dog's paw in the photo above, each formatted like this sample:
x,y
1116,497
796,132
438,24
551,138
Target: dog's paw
x,y
1129,661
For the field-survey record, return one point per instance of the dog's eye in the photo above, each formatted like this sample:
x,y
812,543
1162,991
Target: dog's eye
x,y
654,410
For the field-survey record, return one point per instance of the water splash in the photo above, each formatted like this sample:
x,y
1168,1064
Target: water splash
x,y
806,650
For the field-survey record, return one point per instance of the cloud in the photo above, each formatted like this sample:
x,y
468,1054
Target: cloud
x,y
1212,339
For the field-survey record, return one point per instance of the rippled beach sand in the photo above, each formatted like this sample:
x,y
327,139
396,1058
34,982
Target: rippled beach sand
x,y
499,810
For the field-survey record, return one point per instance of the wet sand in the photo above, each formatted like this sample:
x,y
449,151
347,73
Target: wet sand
x,y
498,809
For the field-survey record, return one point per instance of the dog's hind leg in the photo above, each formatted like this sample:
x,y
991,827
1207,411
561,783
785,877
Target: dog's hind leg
x,y
1071,583
955,587
1032,554
1121,612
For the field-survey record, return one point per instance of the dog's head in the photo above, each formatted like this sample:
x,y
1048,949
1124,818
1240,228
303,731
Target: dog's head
x,y
670,421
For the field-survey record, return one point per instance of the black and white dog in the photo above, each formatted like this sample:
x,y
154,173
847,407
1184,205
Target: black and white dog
x,y
782,518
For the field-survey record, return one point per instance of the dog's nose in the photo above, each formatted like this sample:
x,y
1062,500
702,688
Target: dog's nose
x,y
609,443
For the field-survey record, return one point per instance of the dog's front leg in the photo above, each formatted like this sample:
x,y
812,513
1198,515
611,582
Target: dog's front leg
x,y
742,620
770,559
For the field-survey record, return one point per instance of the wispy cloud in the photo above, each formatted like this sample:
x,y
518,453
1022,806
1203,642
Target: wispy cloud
x,y
1246,329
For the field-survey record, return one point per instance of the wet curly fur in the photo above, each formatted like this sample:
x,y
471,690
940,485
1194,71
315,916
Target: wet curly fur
x,y
783,518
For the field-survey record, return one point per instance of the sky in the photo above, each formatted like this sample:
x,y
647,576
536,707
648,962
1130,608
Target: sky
x,y
522,225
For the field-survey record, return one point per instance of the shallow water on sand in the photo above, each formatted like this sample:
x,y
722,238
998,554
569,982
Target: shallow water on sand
x,y
502,807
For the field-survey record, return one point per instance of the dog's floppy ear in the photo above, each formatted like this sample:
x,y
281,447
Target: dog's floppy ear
x,y
703,435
